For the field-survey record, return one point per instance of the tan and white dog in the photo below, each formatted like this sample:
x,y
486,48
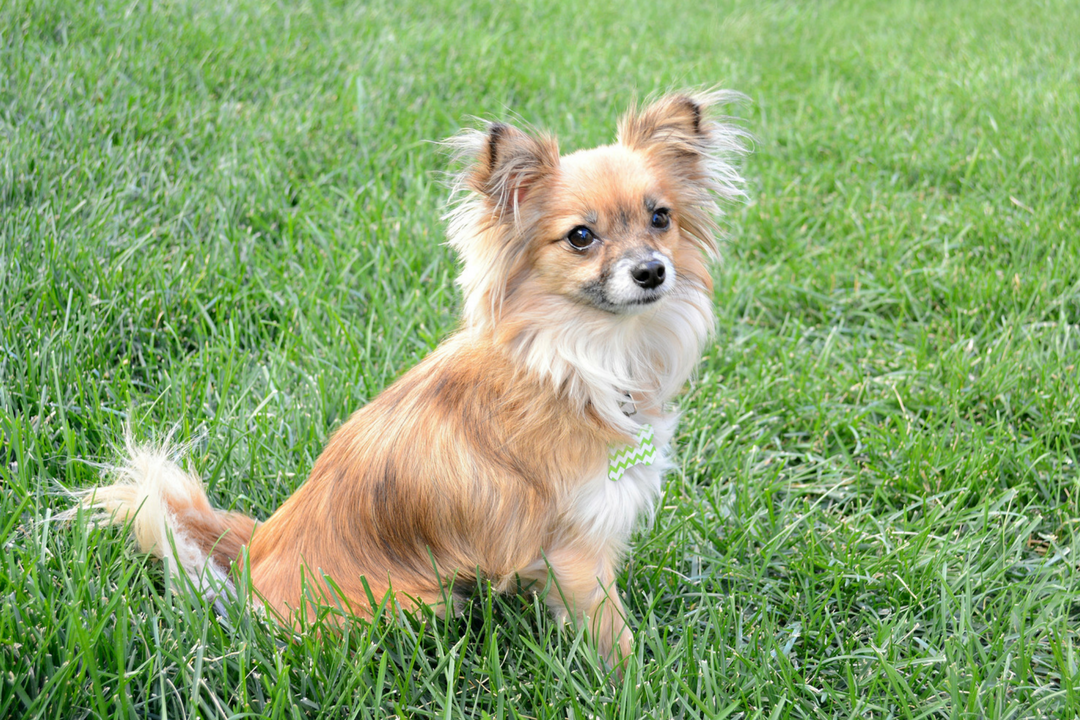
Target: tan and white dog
x,y
528,445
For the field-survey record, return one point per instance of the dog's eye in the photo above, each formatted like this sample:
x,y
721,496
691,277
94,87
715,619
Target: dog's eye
x,y
661,219
581,237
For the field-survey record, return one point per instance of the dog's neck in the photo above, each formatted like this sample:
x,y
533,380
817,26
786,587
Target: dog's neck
x,y
604,364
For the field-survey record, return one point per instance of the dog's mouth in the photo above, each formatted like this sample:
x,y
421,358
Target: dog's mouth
x,y
596,296
647,300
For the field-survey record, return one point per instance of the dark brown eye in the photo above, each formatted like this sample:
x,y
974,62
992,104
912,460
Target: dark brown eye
x,y
661,219
581,237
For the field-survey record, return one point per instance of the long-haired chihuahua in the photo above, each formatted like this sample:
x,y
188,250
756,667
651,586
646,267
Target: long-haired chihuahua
x,y
526,448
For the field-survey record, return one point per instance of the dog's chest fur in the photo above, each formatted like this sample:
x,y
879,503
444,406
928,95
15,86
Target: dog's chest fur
x,y
597,362
603,509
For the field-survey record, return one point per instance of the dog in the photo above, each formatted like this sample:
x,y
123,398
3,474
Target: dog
x,y
526,448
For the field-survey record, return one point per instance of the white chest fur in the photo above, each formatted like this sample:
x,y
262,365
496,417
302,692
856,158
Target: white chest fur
x,y
605,510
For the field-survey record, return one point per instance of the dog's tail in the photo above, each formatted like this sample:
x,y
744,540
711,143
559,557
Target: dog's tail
x,y
171,517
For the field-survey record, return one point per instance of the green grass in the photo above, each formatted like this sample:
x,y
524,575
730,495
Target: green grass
x,y
223,220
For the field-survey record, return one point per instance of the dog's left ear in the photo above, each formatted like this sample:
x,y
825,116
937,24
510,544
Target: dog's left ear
x,y
681,132
671,120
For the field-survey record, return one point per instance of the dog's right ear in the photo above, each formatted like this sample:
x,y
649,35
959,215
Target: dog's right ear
x,y
505,165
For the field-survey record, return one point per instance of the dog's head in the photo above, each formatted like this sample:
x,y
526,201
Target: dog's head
x,y
611,231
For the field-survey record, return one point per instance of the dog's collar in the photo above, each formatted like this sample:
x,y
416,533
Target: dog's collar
x,y
627,404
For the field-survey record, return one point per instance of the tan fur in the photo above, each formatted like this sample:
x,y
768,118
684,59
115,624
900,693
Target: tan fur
x,y
455,472
171,516
488,459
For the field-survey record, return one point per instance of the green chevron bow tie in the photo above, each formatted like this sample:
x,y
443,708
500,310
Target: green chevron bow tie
x,y
623,457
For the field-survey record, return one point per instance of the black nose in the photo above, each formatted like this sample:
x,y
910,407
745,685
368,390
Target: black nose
x,y
649,274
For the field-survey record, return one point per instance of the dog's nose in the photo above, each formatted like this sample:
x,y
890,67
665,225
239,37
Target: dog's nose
x,y
649,274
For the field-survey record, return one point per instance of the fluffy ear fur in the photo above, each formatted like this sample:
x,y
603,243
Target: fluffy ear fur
x,y
491,213
681,134
505,165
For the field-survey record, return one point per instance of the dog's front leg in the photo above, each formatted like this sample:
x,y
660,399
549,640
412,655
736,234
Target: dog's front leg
x,y
584,589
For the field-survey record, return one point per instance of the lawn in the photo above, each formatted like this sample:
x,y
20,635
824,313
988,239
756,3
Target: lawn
x,y
222,220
